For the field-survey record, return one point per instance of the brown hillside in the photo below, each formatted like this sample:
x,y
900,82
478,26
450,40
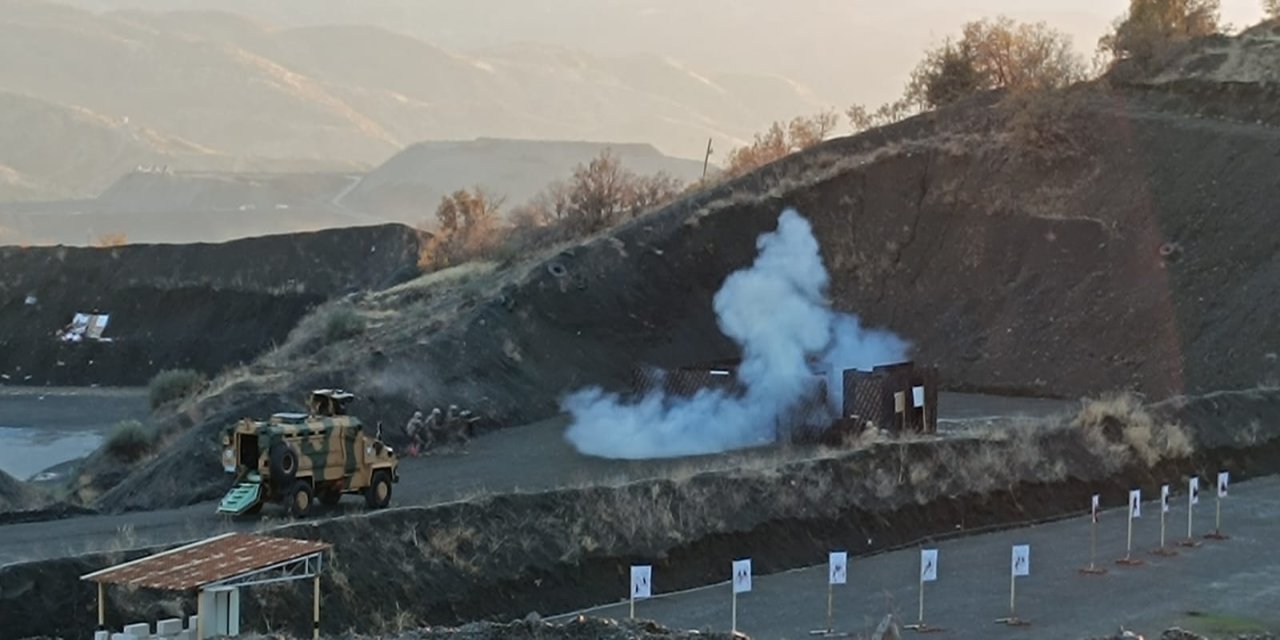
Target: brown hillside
x,y
1093,241
352,93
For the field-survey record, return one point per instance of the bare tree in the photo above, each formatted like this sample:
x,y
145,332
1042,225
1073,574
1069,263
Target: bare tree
x,y
1151,27
1272,8
467,224
599,194
781,140
994,54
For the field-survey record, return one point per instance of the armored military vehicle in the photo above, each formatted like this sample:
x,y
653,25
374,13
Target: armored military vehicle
x,y
295,458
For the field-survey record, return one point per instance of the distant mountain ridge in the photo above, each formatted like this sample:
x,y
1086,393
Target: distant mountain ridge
x,y
411,183
228,90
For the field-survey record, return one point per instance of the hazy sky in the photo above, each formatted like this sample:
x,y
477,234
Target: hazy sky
x,y
847,50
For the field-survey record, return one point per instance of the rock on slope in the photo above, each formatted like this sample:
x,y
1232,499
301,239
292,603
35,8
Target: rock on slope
x,y
1096,240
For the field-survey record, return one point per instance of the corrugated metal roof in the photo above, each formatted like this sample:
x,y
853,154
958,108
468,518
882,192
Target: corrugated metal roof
x,y
206,562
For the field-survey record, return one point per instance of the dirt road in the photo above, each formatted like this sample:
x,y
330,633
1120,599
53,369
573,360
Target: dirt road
x,y
1232,583
528,458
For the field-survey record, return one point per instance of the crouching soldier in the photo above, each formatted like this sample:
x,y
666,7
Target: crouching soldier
x,y
457,423
414,430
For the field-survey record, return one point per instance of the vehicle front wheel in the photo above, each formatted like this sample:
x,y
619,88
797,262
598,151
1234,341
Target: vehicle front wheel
x,y
378,494
301,498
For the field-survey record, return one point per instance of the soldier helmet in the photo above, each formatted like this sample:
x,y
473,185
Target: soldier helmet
x,y
453,407
435,411
417,414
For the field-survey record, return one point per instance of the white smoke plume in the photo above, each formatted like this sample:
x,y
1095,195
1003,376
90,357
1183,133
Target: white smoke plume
x,y
776,311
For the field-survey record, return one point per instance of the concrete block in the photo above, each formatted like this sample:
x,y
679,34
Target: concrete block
x,y
139,630
122,636
193,623
101,635
169,627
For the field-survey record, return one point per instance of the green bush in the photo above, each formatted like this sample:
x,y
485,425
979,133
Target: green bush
x,y
130,440
342,322
173,384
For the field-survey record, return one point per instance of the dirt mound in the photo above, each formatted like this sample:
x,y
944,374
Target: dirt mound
x,y
205,306
459,561
578,629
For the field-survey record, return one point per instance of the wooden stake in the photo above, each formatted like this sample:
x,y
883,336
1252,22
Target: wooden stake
x,y
1128,558
830,594
735,611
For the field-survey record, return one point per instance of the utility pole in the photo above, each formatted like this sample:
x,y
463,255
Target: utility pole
x,y
705,160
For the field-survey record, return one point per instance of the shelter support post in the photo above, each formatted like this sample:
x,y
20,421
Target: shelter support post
x,y
315,597
200,597
102,606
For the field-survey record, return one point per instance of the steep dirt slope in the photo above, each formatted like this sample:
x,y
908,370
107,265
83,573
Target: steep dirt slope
x,y
201,306
16,495
1070,246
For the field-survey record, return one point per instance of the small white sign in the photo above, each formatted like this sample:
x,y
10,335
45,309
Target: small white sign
x,y
1135,503
1193,490
641,581
1164,498
928,565
917,397
1223,479
1093,507
742,575
837,567
1021,560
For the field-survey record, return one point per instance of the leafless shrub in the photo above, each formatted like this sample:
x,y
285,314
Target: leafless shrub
x,y
1118,428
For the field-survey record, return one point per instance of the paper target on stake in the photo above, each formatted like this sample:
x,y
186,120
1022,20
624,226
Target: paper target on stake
x,y
742,575
928,565
838,567
1093,507
1223,479
1193,490
1021,560
1135,503
641,581
1164,498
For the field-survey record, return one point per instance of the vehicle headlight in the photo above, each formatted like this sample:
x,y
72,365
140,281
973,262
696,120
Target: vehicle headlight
x,y
369,451
229,459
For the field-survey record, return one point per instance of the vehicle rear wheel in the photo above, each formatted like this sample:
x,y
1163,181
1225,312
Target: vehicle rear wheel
x,y
301,499
378,494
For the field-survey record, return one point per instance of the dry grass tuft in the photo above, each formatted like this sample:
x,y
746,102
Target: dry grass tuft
x,y
1119,429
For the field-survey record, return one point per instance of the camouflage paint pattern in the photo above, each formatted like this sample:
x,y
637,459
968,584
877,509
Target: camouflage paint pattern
x,y
333,452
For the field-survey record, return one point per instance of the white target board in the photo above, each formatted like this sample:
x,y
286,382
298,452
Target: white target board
x,y
1093,507
742,575
1135,503
1223,478
641,581
1193,490
1021,565
838,567
1164,498
928,565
